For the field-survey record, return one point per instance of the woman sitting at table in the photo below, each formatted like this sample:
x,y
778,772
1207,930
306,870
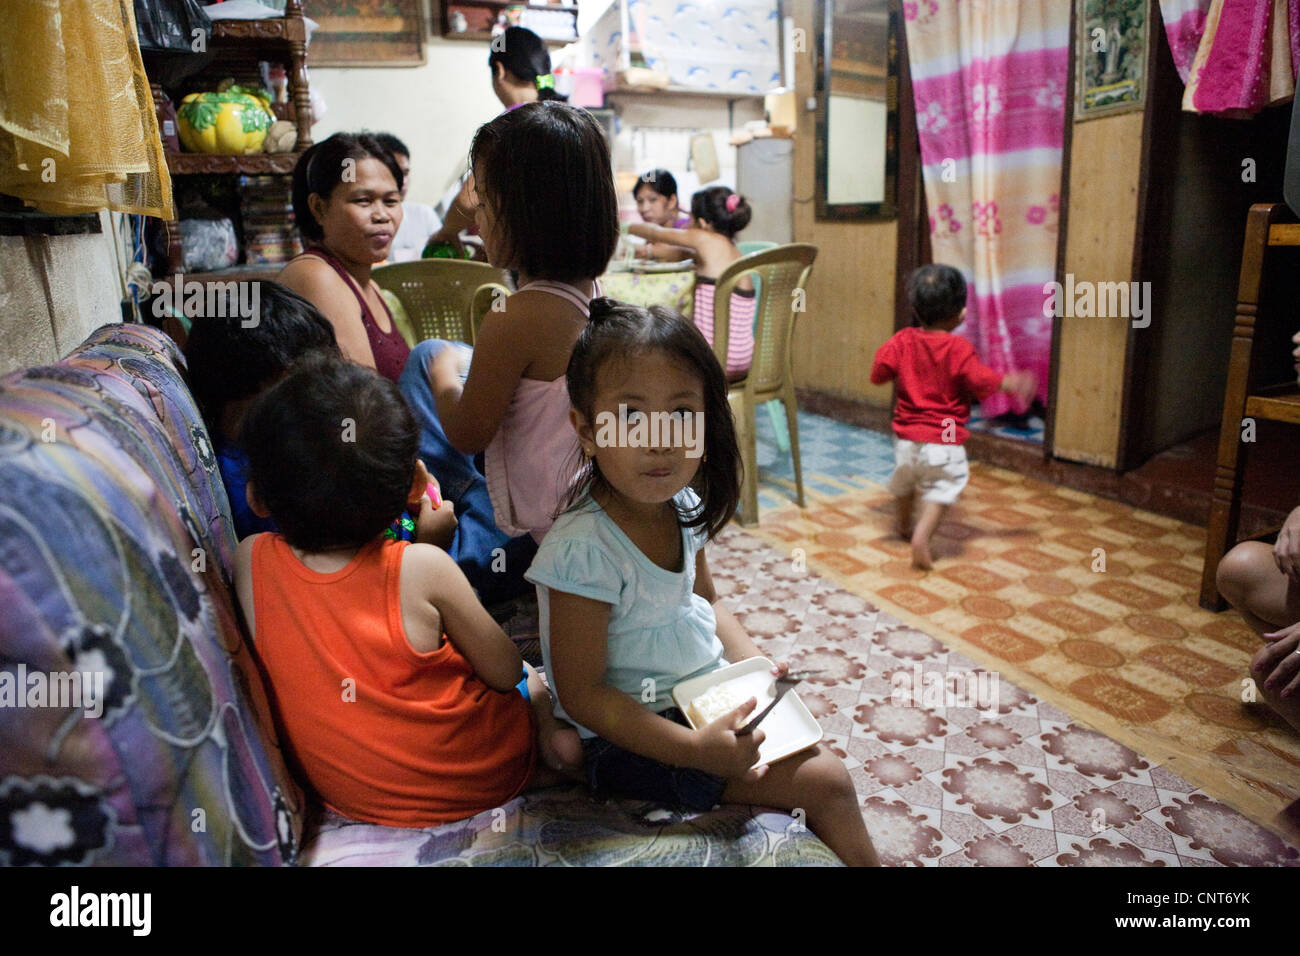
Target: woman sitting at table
x,y
655,193
347,201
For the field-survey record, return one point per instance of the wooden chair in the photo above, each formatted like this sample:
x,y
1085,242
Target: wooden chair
x,y
781,276
443,298
1268,225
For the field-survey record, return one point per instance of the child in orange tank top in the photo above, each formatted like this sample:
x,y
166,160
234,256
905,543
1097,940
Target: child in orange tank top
x,y
398,699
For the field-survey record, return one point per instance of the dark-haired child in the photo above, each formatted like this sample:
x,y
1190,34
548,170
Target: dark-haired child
x,y
625,597
232,361
937,374
546,207
399,699
718,214
655,193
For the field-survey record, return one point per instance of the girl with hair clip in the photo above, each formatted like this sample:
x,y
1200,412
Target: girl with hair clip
x,y
625,598
717,214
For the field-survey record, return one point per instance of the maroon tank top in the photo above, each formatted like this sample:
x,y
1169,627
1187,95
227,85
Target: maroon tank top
x,y
389,348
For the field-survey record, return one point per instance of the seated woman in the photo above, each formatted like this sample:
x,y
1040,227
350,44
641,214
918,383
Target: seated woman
x,y
545,206
347,201
655,193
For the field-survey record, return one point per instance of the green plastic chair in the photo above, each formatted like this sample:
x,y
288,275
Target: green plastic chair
x,y
442,298
773,411
755,245
782,270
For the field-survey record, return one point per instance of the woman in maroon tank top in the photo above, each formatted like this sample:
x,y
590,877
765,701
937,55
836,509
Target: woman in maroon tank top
x,y
348,205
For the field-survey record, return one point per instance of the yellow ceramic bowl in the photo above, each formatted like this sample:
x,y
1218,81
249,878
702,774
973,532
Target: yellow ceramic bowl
x,y
222,123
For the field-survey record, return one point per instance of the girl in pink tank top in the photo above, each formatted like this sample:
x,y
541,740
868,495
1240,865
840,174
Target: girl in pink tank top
x,y
545,206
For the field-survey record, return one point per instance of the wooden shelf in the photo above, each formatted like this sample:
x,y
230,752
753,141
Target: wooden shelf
x,y
252,164
681,91
277,30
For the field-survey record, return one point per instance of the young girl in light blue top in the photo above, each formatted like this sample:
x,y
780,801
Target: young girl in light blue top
x,y
627,606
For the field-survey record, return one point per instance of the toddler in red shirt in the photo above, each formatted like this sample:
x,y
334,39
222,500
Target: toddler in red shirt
x,y
937,374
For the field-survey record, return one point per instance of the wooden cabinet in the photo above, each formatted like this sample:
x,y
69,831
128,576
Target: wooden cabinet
x,y
239,46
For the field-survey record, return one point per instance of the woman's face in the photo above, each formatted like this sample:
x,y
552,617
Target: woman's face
x,y
362,214
655,208
489,225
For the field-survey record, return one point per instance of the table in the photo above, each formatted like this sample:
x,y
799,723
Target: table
x,y
673,289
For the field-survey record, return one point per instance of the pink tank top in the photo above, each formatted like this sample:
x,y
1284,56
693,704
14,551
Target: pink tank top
x,y
532,458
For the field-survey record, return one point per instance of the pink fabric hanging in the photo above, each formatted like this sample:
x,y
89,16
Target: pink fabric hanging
x,y
1236,56
989,79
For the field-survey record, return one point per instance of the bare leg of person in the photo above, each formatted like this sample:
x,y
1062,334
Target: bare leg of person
x,y
903,515
931,514
1249,578
818,782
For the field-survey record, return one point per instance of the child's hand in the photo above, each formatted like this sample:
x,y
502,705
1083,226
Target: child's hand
x,y
435,522
1022,385
721,752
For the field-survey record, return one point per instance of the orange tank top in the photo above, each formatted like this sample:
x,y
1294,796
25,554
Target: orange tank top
x,y
383,733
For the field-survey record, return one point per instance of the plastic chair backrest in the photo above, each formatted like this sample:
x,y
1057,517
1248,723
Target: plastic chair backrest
x,y
439,294
780,271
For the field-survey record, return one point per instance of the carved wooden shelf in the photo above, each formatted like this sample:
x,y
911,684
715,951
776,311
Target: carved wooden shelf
x,y
252,164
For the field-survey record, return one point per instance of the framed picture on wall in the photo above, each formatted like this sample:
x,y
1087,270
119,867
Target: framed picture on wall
x,y
367,33
1110,57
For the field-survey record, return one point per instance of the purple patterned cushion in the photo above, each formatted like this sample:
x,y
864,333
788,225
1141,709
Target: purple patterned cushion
x,y
115,551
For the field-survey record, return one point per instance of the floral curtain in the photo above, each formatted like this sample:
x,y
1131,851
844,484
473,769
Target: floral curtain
x,y
989,79
78,132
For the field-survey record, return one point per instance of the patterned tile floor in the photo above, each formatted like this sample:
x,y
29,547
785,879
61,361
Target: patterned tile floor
x,y
942,785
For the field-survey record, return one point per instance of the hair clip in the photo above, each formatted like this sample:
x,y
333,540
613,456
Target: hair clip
x,y
546,81
733,201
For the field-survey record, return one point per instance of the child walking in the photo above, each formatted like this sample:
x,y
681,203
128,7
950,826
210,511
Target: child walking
x,y
717,215
937,374
627,607
399,699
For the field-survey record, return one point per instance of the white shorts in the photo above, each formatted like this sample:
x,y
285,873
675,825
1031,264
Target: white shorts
x,y
938,471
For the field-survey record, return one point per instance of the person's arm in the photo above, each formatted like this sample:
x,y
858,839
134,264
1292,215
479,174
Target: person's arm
x,y
459,218
437,598
244,580
320,285
472,415
682,238
884,369
579,630
1286,550
981,381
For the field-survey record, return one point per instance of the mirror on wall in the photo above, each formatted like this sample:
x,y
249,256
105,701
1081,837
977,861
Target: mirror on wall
x,y
857,109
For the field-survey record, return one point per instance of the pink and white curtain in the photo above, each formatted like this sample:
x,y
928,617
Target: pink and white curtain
x,y
1236,56
989,78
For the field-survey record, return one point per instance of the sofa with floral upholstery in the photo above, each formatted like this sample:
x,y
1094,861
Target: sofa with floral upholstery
x,y
115,556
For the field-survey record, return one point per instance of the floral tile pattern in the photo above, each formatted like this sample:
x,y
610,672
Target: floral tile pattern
x,y
948,776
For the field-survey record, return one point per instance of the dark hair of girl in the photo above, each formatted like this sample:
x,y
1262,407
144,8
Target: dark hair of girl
x,y
937,293
544,168
320,170
658,180
331,452
617,331
523,53
711,206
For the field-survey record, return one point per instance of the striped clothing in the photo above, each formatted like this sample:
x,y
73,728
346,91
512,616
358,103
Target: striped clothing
x,y
740,345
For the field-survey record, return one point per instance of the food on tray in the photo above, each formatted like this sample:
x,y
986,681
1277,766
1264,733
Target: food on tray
x,y
716,701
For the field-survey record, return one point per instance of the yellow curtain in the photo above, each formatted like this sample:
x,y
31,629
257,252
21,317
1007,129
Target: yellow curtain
x,y
78,132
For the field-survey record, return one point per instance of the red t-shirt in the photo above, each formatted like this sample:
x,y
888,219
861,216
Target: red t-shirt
x,y
938,374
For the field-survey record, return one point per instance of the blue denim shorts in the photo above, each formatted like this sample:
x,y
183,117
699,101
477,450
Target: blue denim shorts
x,y
613,771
